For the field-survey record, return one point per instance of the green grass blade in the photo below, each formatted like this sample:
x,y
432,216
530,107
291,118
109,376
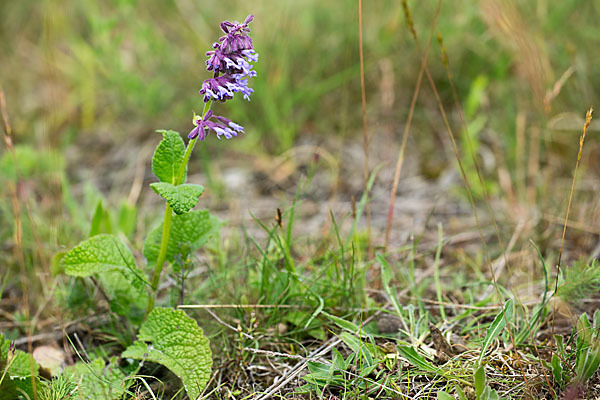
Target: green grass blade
x,y
504,317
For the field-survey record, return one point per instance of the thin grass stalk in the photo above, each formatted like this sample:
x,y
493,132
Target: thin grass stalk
x,y
436,272
521,124
450,133
533,165
411,111
588,120
18,235
363,96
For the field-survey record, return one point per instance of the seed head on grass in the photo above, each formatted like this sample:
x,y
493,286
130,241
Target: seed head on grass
x,y
231,62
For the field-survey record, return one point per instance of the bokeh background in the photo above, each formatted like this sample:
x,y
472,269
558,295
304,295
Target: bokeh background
x,y
87,83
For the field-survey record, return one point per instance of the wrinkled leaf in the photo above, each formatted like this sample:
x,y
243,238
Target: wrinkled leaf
x,y
188,233
108,258
97,381
171,338
168,157
97,254
18,375
181,198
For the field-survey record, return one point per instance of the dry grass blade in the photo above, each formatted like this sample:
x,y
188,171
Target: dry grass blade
x,y
588,120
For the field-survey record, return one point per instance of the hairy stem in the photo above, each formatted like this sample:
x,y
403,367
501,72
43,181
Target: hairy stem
x,y
166,231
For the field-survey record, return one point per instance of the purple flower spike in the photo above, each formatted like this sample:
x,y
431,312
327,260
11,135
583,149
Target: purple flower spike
x,y
231,61
223,126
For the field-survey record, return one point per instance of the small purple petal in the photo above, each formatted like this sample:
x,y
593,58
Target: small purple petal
x,y
194,133
236,127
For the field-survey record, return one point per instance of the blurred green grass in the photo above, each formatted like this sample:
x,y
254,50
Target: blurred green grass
x,y
124,68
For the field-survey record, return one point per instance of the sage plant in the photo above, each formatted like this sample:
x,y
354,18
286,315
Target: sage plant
x,y
166,336
231,61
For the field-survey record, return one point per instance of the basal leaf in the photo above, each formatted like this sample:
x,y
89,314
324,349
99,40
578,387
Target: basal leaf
x,y
127,296
181,198
188,233
97,254
171,338
106,256
479,379
18,376
97,381
168,157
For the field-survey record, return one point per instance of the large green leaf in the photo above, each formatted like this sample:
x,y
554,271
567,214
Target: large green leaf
x,y
97,381
108,258
188,233
171,338
98,254
19,373
168,157
181,198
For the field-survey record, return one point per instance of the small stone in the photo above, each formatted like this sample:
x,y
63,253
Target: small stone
x,y
50,359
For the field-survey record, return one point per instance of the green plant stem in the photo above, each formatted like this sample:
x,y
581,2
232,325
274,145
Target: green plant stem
x,y
166,231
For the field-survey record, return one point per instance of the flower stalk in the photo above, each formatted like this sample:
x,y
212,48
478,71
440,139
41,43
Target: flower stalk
x,y
166,231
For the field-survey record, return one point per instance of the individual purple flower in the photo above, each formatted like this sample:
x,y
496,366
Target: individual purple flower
x,y
231,61
222,126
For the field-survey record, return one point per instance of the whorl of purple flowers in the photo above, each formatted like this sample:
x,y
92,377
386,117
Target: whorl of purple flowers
x,y
231,62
